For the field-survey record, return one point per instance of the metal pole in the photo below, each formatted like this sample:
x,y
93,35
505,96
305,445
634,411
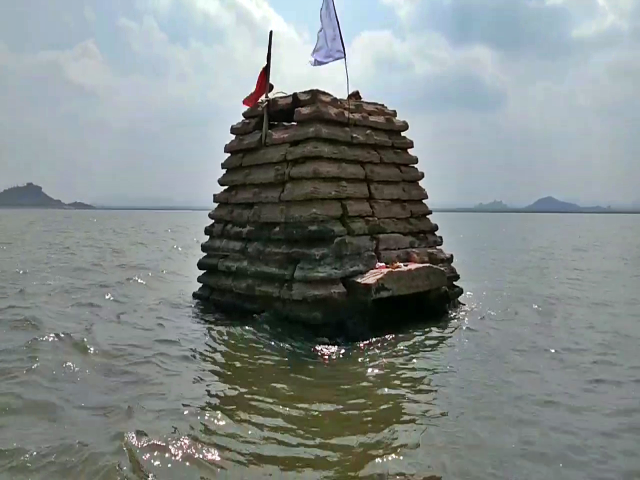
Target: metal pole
x,y
346,68
265,119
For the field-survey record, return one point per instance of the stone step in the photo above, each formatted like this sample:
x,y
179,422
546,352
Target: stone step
x,y
290,134
406,280
311,250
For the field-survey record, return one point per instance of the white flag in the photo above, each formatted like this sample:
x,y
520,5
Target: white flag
x,y
329,46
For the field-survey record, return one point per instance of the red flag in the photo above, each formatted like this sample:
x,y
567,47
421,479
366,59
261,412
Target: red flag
x,y
260,90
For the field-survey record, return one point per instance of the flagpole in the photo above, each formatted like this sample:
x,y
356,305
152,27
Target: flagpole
x,y
265,118
344,49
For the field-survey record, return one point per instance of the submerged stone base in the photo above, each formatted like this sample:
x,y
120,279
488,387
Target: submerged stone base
x,y
352,318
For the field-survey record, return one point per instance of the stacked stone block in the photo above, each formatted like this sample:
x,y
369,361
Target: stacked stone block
x,y
334,191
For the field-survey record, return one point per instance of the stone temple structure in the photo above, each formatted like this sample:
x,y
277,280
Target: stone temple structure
x,y
306,220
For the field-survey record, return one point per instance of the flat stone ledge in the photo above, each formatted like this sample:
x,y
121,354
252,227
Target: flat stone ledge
x,y
291,134
342,153
405,280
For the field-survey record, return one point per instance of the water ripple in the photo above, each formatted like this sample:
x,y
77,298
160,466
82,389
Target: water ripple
x,y
109,371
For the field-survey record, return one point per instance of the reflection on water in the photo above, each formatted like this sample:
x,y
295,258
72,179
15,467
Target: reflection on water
x,y
284,407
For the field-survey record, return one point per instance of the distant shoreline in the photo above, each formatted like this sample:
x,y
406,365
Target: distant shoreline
x,y
160,208
518,210
108,209
32,197
435,210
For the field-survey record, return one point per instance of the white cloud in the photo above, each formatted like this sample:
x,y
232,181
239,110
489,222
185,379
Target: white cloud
x,y
567,127
89,14
403,8
153,92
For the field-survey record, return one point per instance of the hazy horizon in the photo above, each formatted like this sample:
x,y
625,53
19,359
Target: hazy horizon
x,y
126,201
506,100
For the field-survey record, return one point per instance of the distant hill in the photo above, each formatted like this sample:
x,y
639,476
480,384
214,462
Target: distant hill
x,y
542,205
550,204
495,206
32,196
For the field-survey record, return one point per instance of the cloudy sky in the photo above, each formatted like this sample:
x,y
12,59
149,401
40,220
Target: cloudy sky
x,y
507,99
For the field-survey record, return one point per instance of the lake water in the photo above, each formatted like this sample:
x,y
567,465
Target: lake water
x,y
108,371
